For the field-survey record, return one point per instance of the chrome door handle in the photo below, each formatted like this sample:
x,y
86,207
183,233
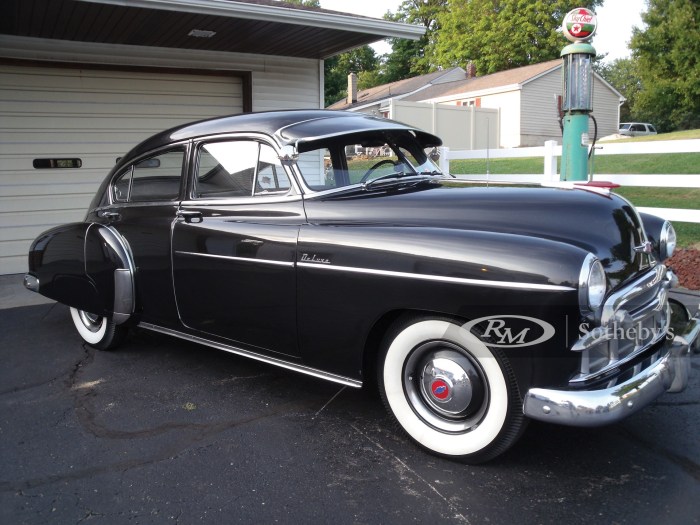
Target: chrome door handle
x,y
189,215
110,215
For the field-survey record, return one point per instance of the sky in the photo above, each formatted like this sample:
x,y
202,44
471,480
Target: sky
x,y
616,18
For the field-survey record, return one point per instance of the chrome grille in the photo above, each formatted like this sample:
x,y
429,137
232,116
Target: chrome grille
x,y
632,320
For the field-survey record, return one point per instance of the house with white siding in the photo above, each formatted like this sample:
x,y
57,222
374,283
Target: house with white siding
x,y
525,97
83,81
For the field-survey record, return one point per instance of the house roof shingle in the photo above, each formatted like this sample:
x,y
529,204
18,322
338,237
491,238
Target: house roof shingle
x,y
510,77
394,89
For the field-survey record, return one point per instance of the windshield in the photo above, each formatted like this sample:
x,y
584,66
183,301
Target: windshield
x,y
354,159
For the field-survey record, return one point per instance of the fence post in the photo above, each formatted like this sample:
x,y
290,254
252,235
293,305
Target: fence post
x,y
550,161
444,161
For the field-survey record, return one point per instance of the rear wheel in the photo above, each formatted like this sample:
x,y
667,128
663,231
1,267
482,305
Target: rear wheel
x,y
97,331
450,392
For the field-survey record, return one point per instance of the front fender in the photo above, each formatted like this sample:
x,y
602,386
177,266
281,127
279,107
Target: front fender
x,y
351,276
87,266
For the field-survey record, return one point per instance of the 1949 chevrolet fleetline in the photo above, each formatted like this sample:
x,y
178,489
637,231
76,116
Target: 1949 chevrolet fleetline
x,y
328,243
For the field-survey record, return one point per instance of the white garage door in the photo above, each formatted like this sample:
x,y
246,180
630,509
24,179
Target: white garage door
x,y
51,116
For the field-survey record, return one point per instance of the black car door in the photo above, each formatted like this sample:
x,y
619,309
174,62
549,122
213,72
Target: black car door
x,y
144,199
234,246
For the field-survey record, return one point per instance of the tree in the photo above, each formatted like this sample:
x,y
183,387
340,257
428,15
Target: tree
x,y
623,75
338,67
667,53
498,35
408,57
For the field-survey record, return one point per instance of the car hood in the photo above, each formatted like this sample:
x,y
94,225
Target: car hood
x,y
603,224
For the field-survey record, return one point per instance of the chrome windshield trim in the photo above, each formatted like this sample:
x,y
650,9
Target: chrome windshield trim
x,y
320,374
442,278
232,258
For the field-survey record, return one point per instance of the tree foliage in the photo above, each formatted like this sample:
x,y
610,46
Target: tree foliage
x,y
410,57
667,52
623,75
499,35
337,69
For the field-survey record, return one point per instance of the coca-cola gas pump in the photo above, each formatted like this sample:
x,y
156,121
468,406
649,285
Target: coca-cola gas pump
x,y
577,102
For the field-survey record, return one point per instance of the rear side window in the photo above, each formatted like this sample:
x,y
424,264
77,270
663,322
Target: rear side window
x,y
155,178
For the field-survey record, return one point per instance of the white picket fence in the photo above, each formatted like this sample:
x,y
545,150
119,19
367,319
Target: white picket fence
x,y
550,151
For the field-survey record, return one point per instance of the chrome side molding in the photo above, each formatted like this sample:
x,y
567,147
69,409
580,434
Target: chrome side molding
x,y
354,383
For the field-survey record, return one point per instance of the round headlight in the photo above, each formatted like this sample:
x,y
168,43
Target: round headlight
x,y
592,284
667,241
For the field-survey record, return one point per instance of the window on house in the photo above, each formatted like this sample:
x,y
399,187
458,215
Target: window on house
x,y
48,164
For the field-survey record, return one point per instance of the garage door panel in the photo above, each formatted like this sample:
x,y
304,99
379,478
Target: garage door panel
x,y
86,81
95,116
39,219
131,108
16,264
43,200
68,150
15,168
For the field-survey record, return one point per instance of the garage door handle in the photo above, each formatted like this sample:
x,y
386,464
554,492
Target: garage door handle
x,y
190,215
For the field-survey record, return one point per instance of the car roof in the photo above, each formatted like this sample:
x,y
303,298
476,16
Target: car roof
x,y
293,127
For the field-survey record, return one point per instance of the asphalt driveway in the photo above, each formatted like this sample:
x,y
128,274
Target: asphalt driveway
x,y
164,431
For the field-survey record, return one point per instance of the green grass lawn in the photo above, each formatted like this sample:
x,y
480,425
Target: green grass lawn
x,y
685,198
671,163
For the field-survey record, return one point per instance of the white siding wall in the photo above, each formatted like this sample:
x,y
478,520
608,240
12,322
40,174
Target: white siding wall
x,y
510,119
68,112
606,109
539,110
278,82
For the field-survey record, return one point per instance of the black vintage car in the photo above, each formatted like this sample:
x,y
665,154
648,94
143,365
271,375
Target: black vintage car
x,y
328,243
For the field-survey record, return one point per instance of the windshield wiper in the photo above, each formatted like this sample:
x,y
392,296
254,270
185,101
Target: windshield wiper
x,y
397,175
436,172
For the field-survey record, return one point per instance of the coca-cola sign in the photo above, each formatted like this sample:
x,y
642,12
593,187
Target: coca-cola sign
x,y
579,25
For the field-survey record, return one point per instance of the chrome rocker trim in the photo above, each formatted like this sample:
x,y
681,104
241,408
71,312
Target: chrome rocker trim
x,y
252,355
591,408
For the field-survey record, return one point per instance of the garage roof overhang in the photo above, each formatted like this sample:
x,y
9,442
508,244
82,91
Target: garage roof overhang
x,y
253,26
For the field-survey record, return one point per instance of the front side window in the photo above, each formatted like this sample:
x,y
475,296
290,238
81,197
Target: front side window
x,y
155,178
239,168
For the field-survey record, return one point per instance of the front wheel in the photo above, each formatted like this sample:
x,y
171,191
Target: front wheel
x,y
97,331
449,392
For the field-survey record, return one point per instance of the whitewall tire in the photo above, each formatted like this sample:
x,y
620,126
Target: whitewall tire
x,y
448,391
99,332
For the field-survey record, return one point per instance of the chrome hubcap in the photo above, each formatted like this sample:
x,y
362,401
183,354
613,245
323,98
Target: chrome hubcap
x,y
91,321
445,386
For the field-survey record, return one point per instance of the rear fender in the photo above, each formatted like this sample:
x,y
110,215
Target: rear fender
x,y
87,266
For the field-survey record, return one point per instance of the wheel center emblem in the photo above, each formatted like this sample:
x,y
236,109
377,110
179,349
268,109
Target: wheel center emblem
x,y
440,390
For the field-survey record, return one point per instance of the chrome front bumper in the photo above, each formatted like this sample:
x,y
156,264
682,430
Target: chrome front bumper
x,y
589,408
